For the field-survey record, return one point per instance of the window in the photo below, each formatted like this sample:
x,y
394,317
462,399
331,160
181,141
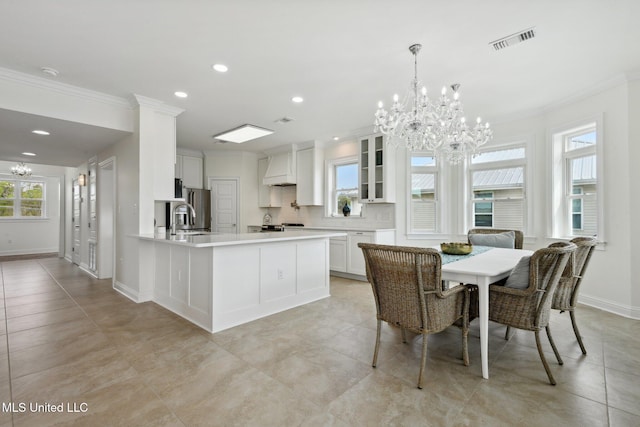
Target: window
x,y
22,198
483,211
576,181
343,179
423,201
497,182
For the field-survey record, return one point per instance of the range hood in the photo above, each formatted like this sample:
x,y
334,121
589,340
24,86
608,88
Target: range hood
x,y
281,169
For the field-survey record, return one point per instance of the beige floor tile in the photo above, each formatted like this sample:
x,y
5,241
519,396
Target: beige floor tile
x,y
39,307
59,332
618,418
623,391
31,321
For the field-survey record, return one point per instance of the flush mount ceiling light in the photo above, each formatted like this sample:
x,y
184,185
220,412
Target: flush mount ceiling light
x,y
26,153
181,94
221,68
425,125
243,133
21,170
297,99
41,132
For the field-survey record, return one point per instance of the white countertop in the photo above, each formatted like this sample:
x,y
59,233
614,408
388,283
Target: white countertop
x,y
336,228
223,239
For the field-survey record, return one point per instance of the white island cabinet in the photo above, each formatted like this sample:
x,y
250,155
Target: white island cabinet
x,y
218,281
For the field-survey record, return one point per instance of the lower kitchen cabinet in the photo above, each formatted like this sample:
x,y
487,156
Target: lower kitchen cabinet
x,y
338,254
346,257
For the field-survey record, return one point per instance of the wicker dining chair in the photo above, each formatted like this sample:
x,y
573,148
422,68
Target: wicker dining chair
x,y
566,295
407,288
529,309
517,244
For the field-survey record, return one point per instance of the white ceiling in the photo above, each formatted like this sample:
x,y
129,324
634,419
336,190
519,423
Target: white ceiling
x,y
341,56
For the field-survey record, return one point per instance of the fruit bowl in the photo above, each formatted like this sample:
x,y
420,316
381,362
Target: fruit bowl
x,y
453,248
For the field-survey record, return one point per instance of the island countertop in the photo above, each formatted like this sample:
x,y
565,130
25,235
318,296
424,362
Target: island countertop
x,y
227,239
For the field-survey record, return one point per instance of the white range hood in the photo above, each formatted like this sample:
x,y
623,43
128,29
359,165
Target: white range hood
x,y
281,169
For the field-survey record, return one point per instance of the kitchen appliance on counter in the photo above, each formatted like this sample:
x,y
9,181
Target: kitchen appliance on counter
x,y
200,200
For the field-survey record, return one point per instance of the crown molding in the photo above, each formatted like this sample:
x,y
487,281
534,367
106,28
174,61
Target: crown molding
x,y
144,101
615,81
63,88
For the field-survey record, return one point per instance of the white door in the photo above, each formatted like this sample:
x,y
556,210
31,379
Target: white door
x,y
224,205
75,222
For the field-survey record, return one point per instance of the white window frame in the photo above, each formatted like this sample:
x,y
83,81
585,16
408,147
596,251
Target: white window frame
x,y
560,224
577,196
435,169
475,213
331,195
525,163
17,198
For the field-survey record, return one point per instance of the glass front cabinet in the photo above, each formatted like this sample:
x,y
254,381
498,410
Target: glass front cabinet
x,y
377,163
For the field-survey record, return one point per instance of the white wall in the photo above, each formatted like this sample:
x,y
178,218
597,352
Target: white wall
x,y
34,236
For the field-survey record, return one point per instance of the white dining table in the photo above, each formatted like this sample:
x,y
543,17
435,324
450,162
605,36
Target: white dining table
x,y
482,270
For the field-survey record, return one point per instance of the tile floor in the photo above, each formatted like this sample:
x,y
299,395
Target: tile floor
x,y
69,339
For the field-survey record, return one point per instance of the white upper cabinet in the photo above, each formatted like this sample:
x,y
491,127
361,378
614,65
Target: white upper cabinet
x,y
377,170
309,177
268,196
189,169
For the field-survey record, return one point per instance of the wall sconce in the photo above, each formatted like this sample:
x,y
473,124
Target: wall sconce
x,y
82,180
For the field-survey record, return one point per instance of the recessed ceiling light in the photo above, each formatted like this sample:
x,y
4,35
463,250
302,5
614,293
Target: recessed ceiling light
x,y
26,153
180,94
52,72
221,68
41,132
243,133
297,99
335,138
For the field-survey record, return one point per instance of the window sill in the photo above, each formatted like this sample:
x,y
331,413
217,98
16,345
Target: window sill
x,y
25,219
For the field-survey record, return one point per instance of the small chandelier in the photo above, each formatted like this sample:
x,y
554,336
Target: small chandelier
x,y
21,170
438,126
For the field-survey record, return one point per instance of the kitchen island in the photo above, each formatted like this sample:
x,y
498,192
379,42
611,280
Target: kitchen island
x,y
218,281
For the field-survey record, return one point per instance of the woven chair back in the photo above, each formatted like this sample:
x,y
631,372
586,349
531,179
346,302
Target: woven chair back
x,y
545,270
519,241
399,278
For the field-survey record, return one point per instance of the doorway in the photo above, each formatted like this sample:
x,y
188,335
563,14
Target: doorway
x,y
106,218
224,205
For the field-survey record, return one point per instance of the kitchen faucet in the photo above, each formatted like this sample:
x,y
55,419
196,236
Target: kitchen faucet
x,y
173,215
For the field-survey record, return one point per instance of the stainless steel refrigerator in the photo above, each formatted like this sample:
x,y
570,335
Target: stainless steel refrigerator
x,y
201,202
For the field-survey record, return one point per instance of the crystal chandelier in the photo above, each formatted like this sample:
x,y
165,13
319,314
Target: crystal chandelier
x,y
21,170
426,125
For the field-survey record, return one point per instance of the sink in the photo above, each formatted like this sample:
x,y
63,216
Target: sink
x,y
189,233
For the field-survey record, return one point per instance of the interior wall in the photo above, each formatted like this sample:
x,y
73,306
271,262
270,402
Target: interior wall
x,y
242,165
126,212
632,195
19,236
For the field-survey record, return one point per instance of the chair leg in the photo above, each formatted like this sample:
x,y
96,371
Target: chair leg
x,y
553,346
465,329
423,360
506,333
576,331
375,353
544,360
404,335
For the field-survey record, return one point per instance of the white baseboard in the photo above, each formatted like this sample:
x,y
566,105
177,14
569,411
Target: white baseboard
x,y
610,306
29,251
89,272
126,291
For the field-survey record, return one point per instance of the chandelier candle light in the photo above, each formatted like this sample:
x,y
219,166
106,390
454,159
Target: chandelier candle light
x,y
21,170
437,126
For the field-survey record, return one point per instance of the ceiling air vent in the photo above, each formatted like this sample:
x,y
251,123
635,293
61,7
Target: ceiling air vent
x,y
513,39
283,120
